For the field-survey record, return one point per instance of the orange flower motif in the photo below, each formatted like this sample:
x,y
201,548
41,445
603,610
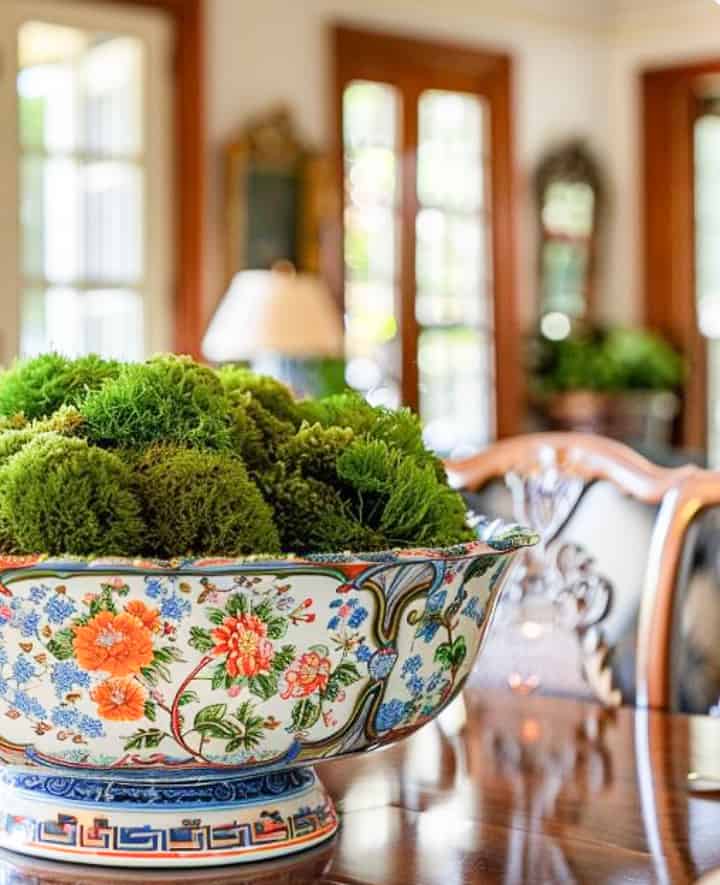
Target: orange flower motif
x,y
150,617
118,644
308,674
122,700
243,640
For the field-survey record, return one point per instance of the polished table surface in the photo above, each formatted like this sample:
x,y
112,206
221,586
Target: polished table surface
x,y
501,789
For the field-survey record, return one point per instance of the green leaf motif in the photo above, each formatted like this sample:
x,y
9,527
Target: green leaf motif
x,y
443,656
212,713
237,605
103,602
200,639
458,651
216,615
61,645
150,711
188,697
145,739
223,731
283,658
264,685
276,628
263,610
220,677
305,714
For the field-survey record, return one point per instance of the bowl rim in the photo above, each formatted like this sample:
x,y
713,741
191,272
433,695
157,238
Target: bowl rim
x,y
494,539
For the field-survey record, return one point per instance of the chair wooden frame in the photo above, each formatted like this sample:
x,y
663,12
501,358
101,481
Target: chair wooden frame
x,y
681,493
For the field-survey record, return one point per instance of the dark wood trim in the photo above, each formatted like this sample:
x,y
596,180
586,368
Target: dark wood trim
x,y
190,172
413,65
669,110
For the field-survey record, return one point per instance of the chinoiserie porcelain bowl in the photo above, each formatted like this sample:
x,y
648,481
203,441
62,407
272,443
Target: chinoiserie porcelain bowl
x,y
167,713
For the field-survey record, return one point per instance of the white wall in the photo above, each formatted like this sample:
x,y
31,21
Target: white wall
x,y
264,51
576,68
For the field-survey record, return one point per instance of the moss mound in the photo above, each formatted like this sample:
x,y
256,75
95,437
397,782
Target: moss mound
x,y
63,495
38,387
169,458
203,503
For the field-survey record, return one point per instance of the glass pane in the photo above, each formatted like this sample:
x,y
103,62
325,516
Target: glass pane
x,y
51,218
371,177
113,219
450,268
370,126
80,99
450,150
455,384
370,115
370,244
112,85
73,322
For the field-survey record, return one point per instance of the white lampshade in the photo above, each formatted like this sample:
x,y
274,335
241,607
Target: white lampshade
x,y
267,312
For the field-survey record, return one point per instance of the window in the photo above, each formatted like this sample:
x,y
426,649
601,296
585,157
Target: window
x,y
90,167
427,256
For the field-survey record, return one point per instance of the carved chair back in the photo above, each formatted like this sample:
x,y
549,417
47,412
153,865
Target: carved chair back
x,y
590,611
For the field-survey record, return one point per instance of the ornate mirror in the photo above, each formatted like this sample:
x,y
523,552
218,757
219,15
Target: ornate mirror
x,y
570,201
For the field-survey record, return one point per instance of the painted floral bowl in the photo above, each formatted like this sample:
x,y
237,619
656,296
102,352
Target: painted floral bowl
x,y
166,713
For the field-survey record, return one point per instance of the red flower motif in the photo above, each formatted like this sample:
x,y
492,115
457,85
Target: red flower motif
x,y
309,673
243,640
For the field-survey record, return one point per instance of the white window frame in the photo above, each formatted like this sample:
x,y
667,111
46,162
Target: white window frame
x,y
154,29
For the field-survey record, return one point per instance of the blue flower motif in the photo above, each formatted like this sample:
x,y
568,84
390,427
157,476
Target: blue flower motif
x,y
65,675
28,705
351,603
174,608
357,617
428,630
415,684
333,623
37,594
58,608
3,655
336,603
434,681
471,610
64,717
411,665
381,663
23,669
91,727
390,714
436,601
28,623
363,653
154,587
4,687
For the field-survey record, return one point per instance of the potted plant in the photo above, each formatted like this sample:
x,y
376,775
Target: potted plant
x,y
205,587
620,382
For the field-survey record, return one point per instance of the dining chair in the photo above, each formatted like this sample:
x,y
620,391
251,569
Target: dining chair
x,y
594,610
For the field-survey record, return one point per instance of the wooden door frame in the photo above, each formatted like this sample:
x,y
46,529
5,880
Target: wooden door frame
x,y
187,17
669,97
374,55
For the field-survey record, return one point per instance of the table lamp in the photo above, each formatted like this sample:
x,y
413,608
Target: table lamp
x,y
277,320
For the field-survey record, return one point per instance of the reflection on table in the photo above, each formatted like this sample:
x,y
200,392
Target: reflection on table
x,y
501,789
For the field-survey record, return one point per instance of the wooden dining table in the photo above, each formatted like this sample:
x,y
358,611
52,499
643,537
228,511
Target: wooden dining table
x,y
502,788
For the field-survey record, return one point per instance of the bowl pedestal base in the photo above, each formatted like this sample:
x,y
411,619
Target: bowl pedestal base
x,y
162,820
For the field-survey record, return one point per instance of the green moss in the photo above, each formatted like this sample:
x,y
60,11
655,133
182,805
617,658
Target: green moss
x,y
166,399
404,501
259,435
314,450
272,395
312,516
37,387
202,503
60,495
399,428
